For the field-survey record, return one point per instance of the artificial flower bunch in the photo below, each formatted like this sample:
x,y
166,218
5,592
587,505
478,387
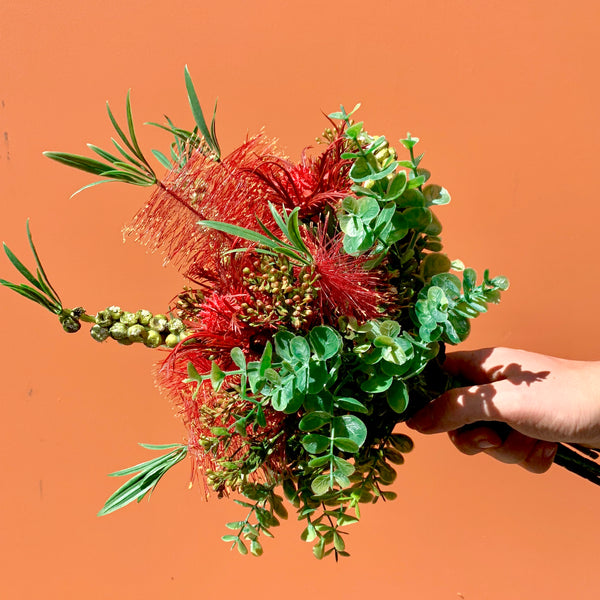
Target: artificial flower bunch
x,y
314,317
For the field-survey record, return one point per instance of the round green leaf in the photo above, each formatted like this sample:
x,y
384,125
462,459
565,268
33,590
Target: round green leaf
x,y
436,194
435,263
345,445
397,396
320,485
342,465
237,355
300,349
351,404
314,443
350,427
401,442
325,341
417,218
376,383
313,420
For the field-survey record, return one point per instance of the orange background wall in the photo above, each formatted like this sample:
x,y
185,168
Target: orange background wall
x,y
504,95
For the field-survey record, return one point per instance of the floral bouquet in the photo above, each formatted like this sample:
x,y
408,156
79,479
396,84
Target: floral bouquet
x,y
317,307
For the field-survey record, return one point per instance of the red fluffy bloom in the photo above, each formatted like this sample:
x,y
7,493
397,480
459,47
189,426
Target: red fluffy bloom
x,y
346,287
205,190
313,184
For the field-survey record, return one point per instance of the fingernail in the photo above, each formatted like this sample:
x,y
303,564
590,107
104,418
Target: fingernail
x,y
485,444
549,451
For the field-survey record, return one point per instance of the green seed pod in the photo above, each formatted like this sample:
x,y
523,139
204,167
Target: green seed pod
x,y
104,318
171,340
125,341
158,323
144,316
153,339
175,326
70,324
118,331
99,333
128,318
115,312
136,333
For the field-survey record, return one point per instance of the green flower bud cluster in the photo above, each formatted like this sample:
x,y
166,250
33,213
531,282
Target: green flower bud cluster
x,y
384,156
188,303
69,319
137,327
279,295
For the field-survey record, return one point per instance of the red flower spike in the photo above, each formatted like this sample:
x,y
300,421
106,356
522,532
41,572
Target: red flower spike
x,y
205,190
314,183
346,288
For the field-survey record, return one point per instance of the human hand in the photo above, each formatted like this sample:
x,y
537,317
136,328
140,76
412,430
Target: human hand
x,y
541,400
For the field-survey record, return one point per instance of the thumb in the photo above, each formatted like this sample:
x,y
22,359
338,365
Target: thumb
x,y
463,406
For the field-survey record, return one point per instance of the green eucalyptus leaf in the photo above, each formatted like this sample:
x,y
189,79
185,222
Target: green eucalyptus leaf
x,y
320,485
217,376
351,404
341,479
409,141
314,420
411,198
319,461
345,445
300,349
265,360
318,376
449,283
343,466
469,280
377,383
315,444
350,427
397,396
397,186
351,225
435,263
325,341
436,194
417,218
238,357
354,130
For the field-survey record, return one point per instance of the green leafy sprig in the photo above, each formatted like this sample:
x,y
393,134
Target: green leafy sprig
x,y
130,164
41,291
146,478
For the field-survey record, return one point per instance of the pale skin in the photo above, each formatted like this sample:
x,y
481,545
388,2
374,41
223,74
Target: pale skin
x,y
541,400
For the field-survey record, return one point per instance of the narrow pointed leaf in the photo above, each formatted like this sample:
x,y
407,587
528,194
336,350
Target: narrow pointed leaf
x,y
83,163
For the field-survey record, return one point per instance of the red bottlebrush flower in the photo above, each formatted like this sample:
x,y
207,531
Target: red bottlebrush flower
x,y
205,190
313,184
346,288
